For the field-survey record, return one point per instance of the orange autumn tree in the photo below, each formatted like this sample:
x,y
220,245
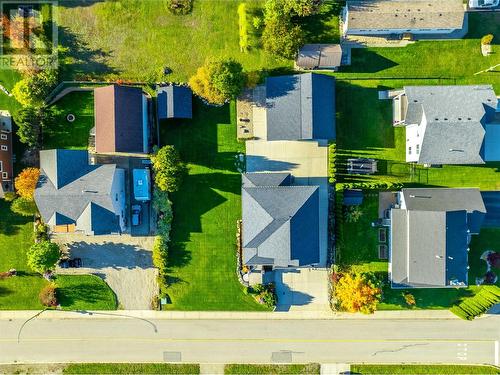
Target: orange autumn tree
x,y
357,292
26,181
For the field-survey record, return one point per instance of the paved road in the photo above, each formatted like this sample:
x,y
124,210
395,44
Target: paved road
x,y
261,341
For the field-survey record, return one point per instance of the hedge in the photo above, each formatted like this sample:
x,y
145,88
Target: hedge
x,y
332,170
163,207
474,306
243,27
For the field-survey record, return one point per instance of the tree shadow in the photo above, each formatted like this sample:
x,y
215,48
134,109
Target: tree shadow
x,y
78,3
85,60
10,223
85,293
318,28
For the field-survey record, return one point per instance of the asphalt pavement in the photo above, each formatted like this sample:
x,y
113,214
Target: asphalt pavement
x,y
135,339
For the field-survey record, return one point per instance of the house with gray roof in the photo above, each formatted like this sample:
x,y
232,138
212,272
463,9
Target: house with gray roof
x,y
449,124
280,226
421,18
430,232
75,196
297,107
174,101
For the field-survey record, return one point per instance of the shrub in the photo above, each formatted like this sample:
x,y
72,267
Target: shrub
x,y
487,39
353,214
257,22
34,88
357,292
410,299
41,232
26,181
24,207
281,37
302,8
9,196
48,295
243,27
264,294
471,307
218,80
180,7
168,169
43,256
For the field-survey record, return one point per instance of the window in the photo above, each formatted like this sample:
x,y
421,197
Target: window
x,y
116,197
409,150
4,148
5,175
4,136
1,166
417,149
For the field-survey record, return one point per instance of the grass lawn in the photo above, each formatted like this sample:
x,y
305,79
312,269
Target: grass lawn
x,y
423,369
84,292
131,368
310,368
202,256
138,39
71,135
21,292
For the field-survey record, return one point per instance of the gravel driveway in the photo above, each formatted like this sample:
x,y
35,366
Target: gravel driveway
x,y
123,262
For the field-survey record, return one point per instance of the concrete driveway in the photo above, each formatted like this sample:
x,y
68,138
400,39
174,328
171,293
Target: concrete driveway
x,y
123,262
302,289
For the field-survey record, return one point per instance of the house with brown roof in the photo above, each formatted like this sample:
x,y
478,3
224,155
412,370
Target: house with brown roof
x,y
6,154
121,120
319,56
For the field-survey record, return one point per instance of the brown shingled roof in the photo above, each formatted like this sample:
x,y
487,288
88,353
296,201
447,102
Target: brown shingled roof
x,y
118,119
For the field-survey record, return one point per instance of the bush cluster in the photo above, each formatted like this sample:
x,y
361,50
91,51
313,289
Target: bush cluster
x,y
48,296
243,27
168,169
474,306
332,170
374,185
180,7
163,207
265,294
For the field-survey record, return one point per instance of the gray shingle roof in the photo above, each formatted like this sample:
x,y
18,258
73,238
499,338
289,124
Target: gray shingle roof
x,y
70,191
405,14
300,107
430,236
266,179
280,225
174,102
313,56
456,118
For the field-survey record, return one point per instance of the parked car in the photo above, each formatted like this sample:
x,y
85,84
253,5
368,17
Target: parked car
x,y
136,214
482,4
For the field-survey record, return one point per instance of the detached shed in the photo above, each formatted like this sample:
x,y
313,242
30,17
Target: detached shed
x,y
174,102
319,56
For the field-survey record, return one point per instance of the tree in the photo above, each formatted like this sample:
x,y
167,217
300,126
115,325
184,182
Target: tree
x,y
302,8
494,259
353,214
34,88
43,256
218,80
24,207
168,169
281,37
26,181
357,292
48,295
30,122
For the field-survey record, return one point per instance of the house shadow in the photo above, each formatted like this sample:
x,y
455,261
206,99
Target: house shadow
x,y
110,255
367,61
78,3
257,163
10,224
286,297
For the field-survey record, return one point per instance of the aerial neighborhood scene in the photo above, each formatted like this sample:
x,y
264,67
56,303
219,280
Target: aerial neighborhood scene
x,y
250,186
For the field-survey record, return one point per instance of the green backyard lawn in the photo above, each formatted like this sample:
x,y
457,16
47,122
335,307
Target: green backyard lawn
x,y
71,135
21,292
202,256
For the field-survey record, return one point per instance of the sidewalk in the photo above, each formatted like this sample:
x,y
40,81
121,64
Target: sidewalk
x,y
226,315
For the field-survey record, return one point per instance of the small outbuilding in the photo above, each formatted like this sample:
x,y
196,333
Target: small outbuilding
x,y
319,56
174,102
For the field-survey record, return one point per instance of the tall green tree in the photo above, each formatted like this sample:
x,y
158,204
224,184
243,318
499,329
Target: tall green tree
x,y
33,89
43,256
218,80
168,169
24,207
30,122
